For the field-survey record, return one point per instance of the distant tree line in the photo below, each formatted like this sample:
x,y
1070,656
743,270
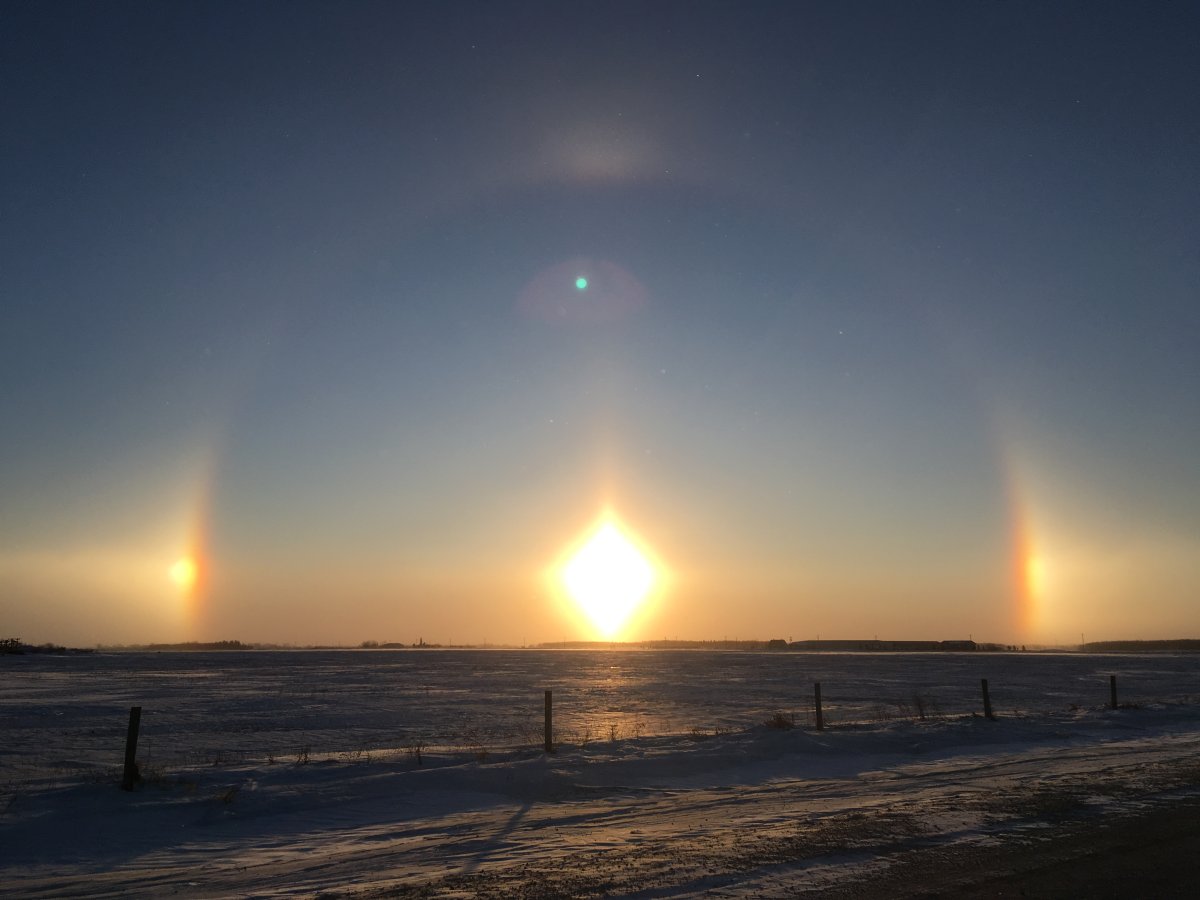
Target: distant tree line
x,y
202,646
13,646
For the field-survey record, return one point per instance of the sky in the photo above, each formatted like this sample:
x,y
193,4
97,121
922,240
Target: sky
x,y
890,322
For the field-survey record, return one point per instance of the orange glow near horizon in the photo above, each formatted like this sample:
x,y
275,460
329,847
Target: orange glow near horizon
x,y
608,578
1035,576
1029,582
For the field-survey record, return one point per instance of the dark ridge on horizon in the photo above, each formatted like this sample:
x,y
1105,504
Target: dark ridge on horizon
x,y
13,646
1178,645
779,645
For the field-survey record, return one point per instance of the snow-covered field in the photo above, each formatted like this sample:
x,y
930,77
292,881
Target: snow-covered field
x,y
298,773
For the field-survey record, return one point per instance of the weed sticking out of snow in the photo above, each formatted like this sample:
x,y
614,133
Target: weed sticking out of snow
x,y
781,722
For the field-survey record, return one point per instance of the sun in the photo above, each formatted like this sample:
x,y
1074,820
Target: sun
x,y
183,573
608,577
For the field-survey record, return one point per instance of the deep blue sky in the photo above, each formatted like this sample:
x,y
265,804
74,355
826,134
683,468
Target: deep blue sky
x,y
892,325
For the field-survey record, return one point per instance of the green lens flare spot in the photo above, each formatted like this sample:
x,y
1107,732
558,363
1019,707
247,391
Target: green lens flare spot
x,y
581,283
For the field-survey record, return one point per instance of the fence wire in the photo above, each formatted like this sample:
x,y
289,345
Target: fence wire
x,y
65,720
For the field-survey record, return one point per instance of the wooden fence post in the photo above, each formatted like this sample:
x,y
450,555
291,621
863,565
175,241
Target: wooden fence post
x,y
1112,690
987,700
131,775
549,721
817,706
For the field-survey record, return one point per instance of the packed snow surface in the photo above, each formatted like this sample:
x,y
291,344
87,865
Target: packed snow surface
x,y
422,772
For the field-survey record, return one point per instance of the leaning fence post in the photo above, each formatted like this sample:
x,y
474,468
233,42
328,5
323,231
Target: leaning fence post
x,y
987,700
131,776
549,721
1112,691
817,706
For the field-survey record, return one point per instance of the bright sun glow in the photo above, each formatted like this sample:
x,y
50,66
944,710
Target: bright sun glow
x,y
1035,576
608,577
183,573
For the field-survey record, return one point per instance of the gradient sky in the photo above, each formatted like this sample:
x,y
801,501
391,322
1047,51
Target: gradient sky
x,y
892,325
